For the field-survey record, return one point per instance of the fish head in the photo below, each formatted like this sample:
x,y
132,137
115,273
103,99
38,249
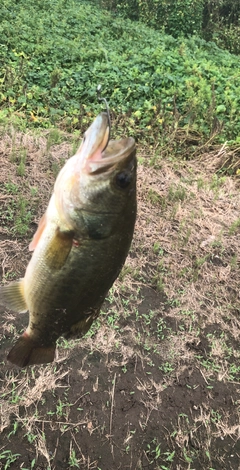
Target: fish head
x,y
99,191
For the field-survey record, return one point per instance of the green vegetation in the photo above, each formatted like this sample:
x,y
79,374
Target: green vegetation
x,y
181,17
155,381
7,458
221,23
53,58
210,19
16,211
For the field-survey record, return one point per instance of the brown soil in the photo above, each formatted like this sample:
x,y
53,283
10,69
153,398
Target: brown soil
x,y
155,384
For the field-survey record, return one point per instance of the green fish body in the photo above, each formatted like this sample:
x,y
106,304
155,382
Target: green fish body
x,y
80,246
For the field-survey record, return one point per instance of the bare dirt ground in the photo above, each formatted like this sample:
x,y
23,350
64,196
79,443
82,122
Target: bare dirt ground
x,y
155,384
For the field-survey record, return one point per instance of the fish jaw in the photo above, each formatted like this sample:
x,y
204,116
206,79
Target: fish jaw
x,y
86,182
91,148
95,139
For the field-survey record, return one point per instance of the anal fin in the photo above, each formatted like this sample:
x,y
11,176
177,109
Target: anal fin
x,y
27,352
12,296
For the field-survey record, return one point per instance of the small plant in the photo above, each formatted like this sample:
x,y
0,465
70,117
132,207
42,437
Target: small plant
x,y
8,458
31,437
166,368
11,188
23,217
176,193
153,197
234,227
73,461
61,408
15,427
54,137
156,456
22,163
157,249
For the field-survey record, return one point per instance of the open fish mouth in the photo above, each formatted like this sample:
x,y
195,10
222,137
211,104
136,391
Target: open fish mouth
x,y
98,153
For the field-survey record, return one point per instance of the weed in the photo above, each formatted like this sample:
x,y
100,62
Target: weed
x,y
234,227
234,372
234,262
15,427
31,437
73,461
176,193
158,282
215,417
23,217
22,162
217,182
11,188
54,137
153,197
201,183
157,249
166,368
155,455
8,458
17,213
62,408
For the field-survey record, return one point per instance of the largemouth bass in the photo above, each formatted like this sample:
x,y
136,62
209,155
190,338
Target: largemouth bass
x,y
79,247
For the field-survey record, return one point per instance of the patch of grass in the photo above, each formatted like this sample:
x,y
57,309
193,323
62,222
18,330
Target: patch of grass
x,y
11,188
176,193
158,457
153,197
234,227
54,137
21,165
8,458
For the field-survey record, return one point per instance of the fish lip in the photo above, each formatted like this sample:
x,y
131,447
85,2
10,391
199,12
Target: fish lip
x,y
95,139
116,152
97,153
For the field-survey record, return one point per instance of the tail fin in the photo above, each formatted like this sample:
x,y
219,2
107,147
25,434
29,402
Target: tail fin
x,y
27,352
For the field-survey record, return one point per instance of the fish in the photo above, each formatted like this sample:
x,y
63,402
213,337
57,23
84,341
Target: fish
x,y
80,245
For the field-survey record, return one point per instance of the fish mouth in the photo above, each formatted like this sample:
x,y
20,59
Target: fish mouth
x,y
98,153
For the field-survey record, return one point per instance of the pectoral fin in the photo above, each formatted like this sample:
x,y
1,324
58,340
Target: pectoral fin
x,y
12,296
38,233
59,248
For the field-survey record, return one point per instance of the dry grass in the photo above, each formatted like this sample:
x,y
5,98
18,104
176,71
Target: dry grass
x,y
160,368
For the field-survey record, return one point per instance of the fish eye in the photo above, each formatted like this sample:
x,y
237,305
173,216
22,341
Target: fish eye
x,y
123,179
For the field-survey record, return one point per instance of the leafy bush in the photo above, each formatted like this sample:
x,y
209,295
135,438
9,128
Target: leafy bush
x,y
53,59
227,38
178,18
221,23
